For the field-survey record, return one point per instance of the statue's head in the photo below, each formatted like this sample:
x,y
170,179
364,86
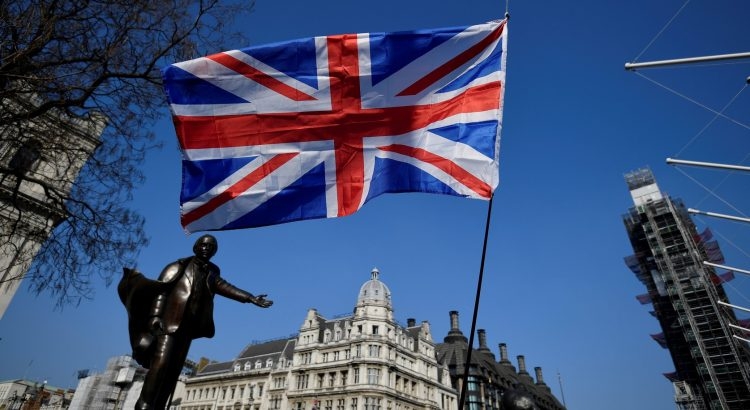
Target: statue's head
x,y
205,247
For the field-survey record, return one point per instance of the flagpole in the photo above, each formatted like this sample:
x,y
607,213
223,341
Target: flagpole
x,y
462,398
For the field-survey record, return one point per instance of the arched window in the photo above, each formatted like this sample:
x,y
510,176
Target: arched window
x,y
25,158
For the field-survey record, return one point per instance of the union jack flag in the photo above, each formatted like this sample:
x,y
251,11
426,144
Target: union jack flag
x,y
316,127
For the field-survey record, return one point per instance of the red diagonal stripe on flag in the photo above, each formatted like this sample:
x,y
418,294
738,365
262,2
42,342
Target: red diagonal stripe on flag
x,y
445,165
238,188
260,77
457,61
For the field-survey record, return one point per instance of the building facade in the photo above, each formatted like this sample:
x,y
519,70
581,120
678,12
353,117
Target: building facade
x,y
33,152
711,366
491,380
119,386
29,395
363,361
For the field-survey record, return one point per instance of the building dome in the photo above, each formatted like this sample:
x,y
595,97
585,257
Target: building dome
x,y
374,291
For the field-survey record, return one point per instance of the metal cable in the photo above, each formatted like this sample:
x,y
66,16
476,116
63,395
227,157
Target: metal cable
x,y
731,101
741,124
660,31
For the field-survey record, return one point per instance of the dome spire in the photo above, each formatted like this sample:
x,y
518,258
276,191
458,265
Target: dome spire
x,y
374,299
374,291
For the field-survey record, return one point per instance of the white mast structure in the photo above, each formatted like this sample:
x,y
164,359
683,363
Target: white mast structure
x,y
682,390
672,161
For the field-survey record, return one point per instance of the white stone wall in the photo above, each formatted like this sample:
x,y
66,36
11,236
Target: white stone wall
x,y
58,167
373,362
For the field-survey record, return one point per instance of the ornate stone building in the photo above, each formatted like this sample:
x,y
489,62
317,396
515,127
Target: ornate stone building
x,y
31,155
361,361
365,361
490,379
26,394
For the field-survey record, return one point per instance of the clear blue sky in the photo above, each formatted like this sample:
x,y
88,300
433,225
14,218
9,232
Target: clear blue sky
x,y
555,289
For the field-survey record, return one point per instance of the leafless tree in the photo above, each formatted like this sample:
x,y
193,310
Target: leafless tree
x,y
78,76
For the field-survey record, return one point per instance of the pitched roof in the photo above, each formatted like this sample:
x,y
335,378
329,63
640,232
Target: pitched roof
x,y
453,353
269,348
272,349
212,368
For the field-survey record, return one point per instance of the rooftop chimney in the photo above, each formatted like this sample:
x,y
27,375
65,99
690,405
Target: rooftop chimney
x,y
454,320
455,335
540,379
482,339
411,322
521,364
504,354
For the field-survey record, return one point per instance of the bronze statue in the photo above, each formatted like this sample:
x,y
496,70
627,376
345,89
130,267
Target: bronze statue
x,y
164,316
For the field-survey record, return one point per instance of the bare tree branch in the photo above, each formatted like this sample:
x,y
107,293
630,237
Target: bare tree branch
x,y
67,67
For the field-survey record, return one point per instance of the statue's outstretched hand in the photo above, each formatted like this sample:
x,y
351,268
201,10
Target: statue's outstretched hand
x,y
261,301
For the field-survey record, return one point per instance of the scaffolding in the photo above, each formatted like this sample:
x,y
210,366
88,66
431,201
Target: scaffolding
x,y
685,398
107,390
709,363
